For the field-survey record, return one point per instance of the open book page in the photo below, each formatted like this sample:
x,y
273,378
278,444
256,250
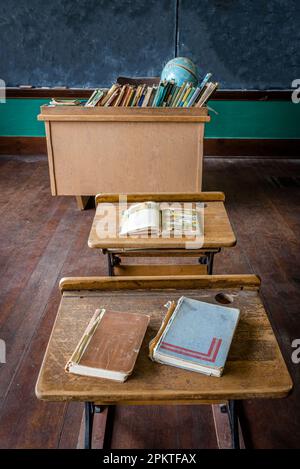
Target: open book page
x,y
180,221
141,218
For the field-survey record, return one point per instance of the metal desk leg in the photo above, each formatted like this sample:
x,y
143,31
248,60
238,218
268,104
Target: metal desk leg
x,y
208,259
112,261
234,424
110,264
89,419
90,410
210,262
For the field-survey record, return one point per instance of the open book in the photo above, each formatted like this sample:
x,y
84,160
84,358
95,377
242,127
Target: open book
x,y
160,219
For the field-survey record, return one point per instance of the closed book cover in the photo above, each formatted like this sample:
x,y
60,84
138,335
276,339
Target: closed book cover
x,y
109,346
196,336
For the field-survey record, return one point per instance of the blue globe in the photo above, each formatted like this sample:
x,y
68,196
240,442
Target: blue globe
x,y
180,70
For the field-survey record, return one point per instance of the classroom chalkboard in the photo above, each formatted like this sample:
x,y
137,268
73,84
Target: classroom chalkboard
x,y
247,44
88,43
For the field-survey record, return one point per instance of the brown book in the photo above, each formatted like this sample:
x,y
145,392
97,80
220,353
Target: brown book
x,y
137,95
125,95
121,96
109,346
131,97
109,93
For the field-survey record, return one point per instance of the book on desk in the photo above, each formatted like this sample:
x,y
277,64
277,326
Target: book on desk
x,y
163,219
109,346
195,336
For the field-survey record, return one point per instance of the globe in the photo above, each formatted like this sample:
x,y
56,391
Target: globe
x,y
180,69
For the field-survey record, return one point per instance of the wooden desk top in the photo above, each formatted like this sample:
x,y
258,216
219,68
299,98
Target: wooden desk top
x,y
123,114
255,367
217,229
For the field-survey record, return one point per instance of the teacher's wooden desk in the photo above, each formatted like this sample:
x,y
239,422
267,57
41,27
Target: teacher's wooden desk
x,y
217,233
123,149
255,367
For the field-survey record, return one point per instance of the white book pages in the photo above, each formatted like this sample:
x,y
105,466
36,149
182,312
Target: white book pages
x,y
141,218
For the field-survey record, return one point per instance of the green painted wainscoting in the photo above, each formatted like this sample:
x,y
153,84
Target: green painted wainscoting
x,y
235,119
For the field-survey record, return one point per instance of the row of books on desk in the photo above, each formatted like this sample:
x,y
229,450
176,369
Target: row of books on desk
x,y
166,94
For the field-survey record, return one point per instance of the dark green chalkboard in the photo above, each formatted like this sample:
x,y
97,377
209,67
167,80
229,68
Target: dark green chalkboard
x,y
78,43
247,44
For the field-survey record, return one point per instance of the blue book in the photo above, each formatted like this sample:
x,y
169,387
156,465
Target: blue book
x,y
195,336
158,94
141,100
205,80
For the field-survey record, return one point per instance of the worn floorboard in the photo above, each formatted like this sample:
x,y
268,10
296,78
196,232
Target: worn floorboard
x,y
44,238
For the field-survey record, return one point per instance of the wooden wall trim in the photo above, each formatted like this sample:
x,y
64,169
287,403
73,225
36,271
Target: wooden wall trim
x,y
266,148
232,95
229,147
23,146
43,93
252,95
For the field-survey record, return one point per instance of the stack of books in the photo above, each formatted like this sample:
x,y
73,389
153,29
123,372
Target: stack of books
x,y
166,94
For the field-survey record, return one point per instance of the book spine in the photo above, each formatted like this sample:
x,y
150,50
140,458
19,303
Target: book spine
x,y
185,95
180,94
163,326
188,97
86,337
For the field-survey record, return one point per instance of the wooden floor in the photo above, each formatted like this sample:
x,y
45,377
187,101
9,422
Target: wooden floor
x,y
44,238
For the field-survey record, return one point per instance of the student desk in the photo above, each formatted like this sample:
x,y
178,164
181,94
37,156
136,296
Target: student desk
x,y
217,234
255,366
